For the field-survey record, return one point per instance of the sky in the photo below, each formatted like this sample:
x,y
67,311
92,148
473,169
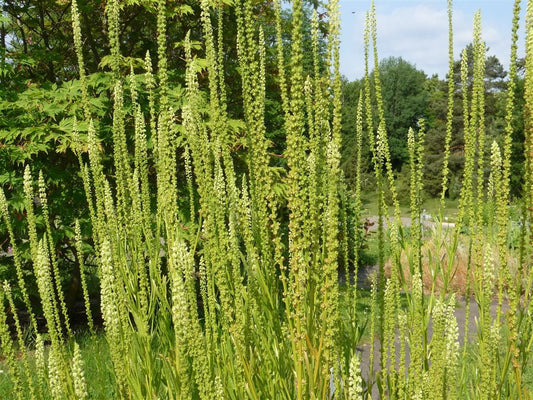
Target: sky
x,y
417,31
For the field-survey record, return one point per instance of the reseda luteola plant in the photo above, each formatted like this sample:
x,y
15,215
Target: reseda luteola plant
x,y
224,298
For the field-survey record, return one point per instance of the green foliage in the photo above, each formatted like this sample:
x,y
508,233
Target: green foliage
x,y
405,98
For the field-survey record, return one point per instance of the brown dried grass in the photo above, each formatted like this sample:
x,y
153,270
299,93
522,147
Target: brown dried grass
x,y
436,264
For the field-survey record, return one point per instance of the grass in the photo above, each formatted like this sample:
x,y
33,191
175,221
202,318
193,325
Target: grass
x,y
528,375
430,205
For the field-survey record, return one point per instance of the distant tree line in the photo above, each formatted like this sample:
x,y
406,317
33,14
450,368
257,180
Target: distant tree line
x,y
408,95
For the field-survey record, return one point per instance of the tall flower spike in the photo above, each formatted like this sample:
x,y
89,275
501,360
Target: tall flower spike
x,y
281,58
212,64
8,351
466,188
81,66
220,53
55,267
502,209
355,389
4,211
55,374
78,375
40,361
113,12
494,184
449,116
479,108
358,178
110,314
150,86
46,292
412,170
334,57
83,278
29,199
